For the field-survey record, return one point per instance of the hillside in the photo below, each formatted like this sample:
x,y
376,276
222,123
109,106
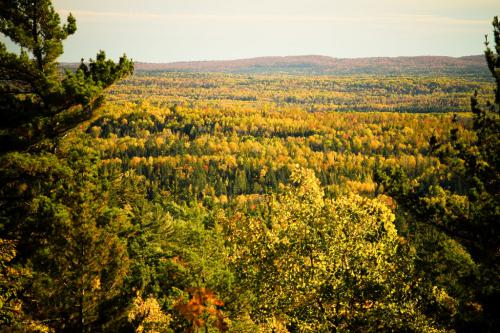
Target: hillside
x,y
314,64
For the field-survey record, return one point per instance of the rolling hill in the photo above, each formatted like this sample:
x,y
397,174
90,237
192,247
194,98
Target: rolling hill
x,y
314,64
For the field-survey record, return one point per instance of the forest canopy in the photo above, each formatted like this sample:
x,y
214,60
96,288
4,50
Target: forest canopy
x,y
209,202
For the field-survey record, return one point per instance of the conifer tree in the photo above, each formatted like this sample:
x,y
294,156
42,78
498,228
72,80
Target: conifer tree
x,y
454,210
37,101
63,239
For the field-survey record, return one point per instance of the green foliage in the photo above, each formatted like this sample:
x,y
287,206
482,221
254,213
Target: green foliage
x,y
239,203
66,235
36,101
11,281
323,265
68,257
454,211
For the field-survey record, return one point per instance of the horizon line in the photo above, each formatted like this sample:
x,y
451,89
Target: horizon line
x,y
295,56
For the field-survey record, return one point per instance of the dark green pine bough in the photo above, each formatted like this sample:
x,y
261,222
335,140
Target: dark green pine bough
x,y
452,213
61,259
37,100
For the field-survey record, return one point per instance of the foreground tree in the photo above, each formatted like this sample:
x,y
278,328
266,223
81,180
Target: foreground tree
x,y
316,265
453,214
37,101
62,239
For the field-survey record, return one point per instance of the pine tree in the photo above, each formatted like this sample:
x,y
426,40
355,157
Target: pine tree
x,y
454,211
37,101
77,241
64,241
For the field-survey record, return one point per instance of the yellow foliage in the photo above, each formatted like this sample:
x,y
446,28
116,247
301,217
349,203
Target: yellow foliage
x,y
147,316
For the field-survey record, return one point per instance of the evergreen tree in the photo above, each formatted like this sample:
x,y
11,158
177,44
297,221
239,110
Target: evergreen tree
x,y
81,246
454,212
37,101
59,233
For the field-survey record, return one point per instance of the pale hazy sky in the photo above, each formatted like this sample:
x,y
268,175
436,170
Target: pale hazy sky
x,y
173,30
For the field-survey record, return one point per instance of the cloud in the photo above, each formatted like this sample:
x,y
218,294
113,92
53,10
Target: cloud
x,y
382,19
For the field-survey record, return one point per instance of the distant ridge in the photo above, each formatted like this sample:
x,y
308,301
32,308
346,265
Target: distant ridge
x,y
315,64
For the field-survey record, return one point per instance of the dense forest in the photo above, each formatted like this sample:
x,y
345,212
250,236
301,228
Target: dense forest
x,y
323,65
214,202
406,94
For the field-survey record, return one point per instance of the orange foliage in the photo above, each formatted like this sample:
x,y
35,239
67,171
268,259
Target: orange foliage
x,y
202,308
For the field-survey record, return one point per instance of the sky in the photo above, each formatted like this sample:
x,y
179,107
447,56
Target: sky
x,y
185,30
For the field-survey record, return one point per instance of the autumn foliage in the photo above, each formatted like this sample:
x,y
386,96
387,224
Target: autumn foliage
x,y
203,308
